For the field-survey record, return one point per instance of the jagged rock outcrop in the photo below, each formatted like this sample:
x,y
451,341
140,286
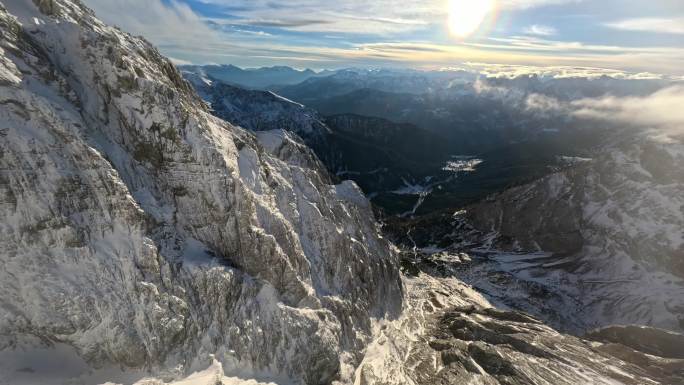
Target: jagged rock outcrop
x,y
144,232
450,334
504,347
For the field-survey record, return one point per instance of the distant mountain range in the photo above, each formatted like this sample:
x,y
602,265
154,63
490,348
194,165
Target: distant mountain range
x,y
256,78
401,147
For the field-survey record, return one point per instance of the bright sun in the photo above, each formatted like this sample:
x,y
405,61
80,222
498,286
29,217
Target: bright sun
x,y
465,16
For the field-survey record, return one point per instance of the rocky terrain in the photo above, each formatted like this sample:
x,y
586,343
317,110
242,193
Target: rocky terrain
x,y
143,232
143,240
595,244
450,334
612,226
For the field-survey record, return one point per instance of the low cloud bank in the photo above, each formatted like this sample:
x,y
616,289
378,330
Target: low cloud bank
x,y
662,110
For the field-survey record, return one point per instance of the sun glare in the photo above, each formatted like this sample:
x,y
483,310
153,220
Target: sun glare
x,y
466,16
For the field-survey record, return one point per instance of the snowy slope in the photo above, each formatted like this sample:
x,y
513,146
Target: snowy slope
x,y
141,231
610,232
450,334
258,110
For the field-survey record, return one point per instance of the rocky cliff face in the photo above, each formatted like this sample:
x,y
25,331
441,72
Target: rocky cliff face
x,y
142,231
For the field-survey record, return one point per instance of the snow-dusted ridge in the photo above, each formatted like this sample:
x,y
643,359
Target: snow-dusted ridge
x,y
611,233
143,232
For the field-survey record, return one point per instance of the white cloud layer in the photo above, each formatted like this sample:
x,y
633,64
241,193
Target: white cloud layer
x,y
661,110
659,25
511,71
343,16
353,16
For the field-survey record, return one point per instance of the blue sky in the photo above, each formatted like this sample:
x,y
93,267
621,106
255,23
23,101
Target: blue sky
x,y
631,35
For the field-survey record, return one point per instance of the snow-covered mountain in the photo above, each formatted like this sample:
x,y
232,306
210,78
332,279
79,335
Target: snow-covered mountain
x,y
255,78
477,112
615,227
398,145
140,235
259,110
138,230
597,243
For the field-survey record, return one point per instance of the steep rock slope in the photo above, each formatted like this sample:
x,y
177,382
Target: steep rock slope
x,y
142,231
608,232
450,334
258,110
627,200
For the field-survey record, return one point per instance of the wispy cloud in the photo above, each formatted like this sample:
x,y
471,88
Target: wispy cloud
x,y
658,25
540,30
372,33
174,23
343,16
668,60
525,4
179,62
289,23
178,31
